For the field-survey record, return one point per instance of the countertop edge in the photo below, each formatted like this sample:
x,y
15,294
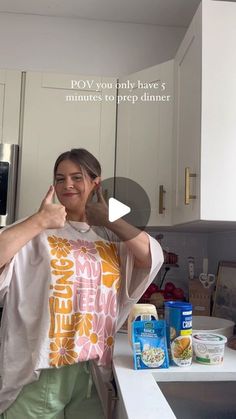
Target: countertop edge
x,y
139,391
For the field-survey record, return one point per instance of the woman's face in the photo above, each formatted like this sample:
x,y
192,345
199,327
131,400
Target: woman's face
x,y
72,186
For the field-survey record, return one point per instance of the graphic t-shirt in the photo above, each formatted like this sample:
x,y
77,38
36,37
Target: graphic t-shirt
x,y
65,295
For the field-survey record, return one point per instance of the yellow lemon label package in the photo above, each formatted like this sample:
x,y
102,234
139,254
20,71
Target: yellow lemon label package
x,y
149,344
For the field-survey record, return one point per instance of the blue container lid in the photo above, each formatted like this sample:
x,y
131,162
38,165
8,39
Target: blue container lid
x,y
178,304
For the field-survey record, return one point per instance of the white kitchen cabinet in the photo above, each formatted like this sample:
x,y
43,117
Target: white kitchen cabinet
x,y
10,95
144,136
56,120
204,117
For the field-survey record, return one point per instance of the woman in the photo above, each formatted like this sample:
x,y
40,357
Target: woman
x,y
67,288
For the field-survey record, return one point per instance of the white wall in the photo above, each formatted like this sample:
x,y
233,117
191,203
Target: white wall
x,y
31,42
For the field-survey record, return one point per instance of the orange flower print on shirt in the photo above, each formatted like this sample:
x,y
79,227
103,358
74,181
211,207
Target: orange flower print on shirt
x,y
62,352
92,346
83,323
109,332
60,247
110,263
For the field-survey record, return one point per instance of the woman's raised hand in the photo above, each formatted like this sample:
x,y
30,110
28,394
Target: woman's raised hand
x,y
51,215
96,212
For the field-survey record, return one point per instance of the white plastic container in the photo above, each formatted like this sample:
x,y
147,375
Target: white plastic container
x,y
208,348
141,312
207,324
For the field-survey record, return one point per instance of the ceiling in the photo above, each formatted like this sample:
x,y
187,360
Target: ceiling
x,y
155,12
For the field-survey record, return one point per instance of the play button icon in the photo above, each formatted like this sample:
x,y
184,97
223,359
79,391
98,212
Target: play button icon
x,y
116,209
126,200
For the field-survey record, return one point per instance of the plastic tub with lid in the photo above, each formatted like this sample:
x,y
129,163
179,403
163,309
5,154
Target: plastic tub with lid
x,y
208,348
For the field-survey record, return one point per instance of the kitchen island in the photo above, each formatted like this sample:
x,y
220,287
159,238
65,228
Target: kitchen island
x,y
140,396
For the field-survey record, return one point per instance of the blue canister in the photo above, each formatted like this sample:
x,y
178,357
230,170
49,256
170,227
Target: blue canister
x,y
178,316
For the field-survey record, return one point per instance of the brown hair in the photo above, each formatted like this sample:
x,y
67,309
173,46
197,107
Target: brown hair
x,y
83,158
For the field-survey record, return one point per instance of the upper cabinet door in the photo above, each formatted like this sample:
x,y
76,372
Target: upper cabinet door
x,y
62,112
204,113
144,136
218,123
10,93
187,125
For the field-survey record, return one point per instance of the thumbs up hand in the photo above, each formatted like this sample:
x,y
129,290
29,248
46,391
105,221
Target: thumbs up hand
x,y
96,212
51,215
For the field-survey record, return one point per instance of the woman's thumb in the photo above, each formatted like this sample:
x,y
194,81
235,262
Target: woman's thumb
x,y
49,195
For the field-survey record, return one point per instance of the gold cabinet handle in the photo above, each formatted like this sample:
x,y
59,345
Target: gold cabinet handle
x,y
188,175
161,199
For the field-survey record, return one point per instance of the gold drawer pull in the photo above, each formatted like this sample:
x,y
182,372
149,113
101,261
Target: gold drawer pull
x,y
161,199
188,175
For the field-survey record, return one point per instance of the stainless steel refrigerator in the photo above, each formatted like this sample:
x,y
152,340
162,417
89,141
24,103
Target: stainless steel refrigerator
x,y
8,180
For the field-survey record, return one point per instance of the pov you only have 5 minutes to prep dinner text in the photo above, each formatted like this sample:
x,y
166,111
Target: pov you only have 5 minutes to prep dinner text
x,y
96,88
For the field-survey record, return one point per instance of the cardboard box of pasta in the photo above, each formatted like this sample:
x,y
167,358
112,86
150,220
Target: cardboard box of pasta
x,y
200,298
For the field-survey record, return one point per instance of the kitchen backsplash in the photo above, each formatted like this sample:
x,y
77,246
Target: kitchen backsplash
x,y
214,246
221,246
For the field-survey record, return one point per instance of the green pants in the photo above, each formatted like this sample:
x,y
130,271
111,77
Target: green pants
x,y
60,393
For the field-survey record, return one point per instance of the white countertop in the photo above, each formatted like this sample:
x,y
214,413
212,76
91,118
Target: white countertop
x,y
139,391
